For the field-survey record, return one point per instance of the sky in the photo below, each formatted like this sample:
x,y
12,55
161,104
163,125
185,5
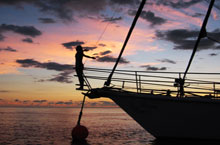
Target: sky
x,y
38,40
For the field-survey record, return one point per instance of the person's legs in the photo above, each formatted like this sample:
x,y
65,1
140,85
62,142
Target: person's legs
x,y
79,73
81,80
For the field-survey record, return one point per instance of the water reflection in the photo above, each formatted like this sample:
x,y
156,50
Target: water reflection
x,y
79,142
54,125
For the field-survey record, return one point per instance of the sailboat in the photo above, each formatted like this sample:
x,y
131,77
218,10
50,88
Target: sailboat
x,y
187,113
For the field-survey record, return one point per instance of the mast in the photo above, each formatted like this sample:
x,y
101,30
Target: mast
x,y
107,83
202,34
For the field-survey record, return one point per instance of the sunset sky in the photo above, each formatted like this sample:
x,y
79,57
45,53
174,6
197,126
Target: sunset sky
x,y
38,39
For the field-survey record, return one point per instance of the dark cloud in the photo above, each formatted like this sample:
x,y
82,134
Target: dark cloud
x,y
177,34
153,68
46,20
93,104
67,10
63,9
216,5
100,104
12,2
68,103
86,48
105,52
28,40
125,2
149,16
39,101
1,37
64,77
23,30
101,44
107,103
59,102
183,3
185,39
177,4
197,15
167,61
111,19
17,100
48,65
4,91
26,101
213,54
215,34
109,58
69,45
29,63
8,49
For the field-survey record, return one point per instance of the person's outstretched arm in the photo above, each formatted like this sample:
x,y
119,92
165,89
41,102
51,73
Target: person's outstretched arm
x,y
88,56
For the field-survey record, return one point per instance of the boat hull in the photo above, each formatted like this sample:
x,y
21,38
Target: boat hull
x,y
169,117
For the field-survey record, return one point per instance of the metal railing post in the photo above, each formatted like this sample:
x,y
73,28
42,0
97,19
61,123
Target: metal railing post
x,y
140,83
123,84
214,89
136,80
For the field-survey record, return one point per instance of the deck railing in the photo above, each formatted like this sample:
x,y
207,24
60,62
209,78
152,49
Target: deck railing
x,y
159,82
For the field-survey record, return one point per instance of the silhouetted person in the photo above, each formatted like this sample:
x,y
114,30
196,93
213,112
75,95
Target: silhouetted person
x,y
168,92
152,92
79,65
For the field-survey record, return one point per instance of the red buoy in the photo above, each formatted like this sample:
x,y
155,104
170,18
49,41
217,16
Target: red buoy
x,y
80,132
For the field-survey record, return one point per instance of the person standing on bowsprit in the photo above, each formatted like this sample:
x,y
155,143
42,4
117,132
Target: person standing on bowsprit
x,y
79,65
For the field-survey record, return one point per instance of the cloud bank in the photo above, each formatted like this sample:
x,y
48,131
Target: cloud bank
x,y
184,39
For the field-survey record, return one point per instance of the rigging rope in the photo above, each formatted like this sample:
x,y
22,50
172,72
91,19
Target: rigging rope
x,y
81,110
101,35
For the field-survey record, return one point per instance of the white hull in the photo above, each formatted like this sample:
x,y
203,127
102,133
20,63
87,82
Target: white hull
x,y
169,117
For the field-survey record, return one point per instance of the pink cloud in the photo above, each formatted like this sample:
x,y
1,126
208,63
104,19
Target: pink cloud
x,y
175,15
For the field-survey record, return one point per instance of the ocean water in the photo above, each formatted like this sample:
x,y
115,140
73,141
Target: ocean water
x,y
45,126
53,126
